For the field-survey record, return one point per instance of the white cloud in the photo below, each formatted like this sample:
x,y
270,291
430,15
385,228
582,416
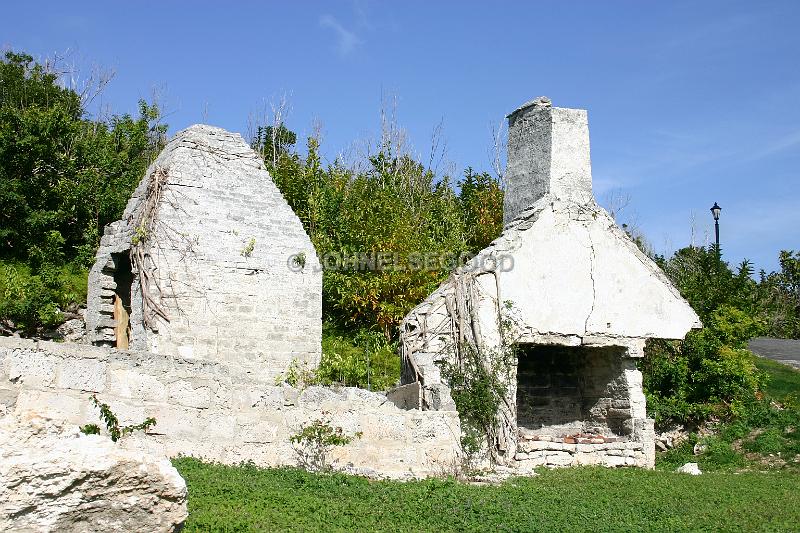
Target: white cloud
x,y
347,41
781,144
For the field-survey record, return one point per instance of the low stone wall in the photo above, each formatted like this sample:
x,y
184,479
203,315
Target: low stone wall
x,y
208,410
531,454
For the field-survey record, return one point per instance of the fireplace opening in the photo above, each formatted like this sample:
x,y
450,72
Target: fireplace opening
x,y
565,391
123,278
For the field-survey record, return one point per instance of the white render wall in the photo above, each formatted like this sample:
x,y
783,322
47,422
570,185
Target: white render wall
x,y
575,273
254,308
210,410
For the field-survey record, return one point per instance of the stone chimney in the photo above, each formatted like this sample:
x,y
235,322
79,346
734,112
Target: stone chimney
x,y
548,153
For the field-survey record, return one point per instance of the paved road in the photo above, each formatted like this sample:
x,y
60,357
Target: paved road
x,y
784,351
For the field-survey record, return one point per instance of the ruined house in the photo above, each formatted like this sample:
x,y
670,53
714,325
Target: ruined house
x,y
570,292
208,262
205,291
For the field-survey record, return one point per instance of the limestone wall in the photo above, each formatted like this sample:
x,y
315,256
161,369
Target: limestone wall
x,y
548,153
206,409
220,251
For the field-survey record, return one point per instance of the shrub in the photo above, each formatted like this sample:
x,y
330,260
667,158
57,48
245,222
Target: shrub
x,y
313,444
769,441
32,301
710,373
719,453
362,358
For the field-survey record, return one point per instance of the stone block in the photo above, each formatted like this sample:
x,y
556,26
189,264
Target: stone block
x,y
259,430
82,375
125,382
559,458
190,394
619,413
614,460
587,459
406,396
57,405
8,397
31,368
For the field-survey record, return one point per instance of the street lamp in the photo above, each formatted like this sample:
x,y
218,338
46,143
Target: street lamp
x,y
715,210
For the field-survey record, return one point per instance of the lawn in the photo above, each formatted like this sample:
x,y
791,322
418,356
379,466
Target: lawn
x,y
223,498
783,379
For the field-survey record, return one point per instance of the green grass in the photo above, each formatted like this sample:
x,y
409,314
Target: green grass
x,y
246,498
783,379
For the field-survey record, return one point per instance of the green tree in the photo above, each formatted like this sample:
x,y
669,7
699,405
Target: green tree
x,y
395,211
779,297
63,177
707,282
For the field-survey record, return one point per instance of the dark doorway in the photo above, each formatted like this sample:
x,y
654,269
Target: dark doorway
x,y
123,277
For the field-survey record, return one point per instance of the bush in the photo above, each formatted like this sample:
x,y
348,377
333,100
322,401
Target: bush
x,y
314,442
710,373
358,359
33,301
769,441
719,453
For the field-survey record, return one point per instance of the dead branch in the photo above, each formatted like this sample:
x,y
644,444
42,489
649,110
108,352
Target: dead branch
x,y
143,223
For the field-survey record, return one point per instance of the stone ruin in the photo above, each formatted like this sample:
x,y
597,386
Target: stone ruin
x,y
202,296
208,289
570,291
208,262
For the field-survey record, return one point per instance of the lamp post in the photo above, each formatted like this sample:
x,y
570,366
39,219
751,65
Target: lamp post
x,y
715,210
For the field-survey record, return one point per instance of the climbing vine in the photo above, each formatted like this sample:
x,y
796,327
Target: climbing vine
x,y
112,423
478,373
479,387
143,222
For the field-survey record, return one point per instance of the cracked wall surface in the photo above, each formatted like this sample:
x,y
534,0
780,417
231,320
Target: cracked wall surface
x,y
220,253
576,279
216,411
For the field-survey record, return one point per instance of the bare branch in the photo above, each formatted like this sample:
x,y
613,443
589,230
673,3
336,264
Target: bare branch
x,y
497,149
272,114
616,201
438,147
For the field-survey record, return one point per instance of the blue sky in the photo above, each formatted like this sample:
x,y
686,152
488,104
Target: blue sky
x,y
689,102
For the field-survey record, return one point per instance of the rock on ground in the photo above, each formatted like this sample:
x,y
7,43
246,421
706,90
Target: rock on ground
x,y
689,468
73,330
53,478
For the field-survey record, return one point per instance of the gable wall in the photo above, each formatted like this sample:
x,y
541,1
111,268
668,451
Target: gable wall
x,y
225,301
